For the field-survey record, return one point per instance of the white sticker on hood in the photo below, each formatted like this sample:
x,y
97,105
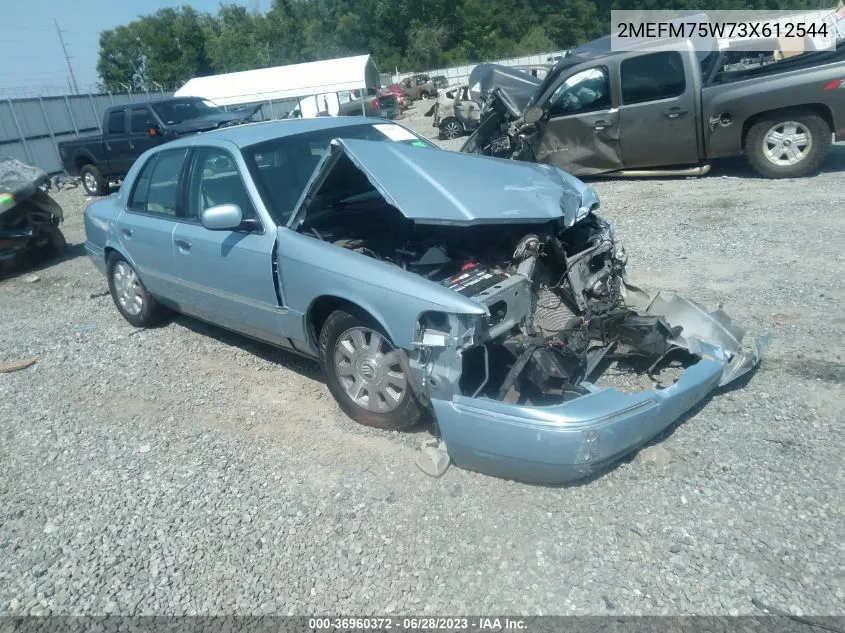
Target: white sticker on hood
x,y
395,132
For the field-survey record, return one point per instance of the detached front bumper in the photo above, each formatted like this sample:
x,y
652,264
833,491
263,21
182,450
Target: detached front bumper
x,y
566,442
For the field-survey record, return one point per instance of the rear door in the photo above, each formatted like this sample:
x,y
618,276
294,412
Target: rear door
x,y
657,115
145,227
225,277
581,134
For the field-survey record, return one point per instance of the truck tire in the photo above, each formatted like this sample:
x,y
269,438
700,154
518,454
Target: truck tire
x,y
424,94
93,181
791,144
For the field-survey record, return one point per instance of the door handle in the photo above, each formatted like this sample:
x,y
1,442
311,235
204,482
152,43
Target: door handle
x,y
126,232
185,245
600,125
674,113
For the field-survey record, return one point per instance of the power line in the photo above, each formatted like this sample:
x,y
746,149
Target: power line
x,y
67,57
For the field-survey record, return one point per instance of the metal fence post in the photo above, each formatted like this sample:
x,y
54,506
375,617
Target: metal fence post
x,y
97,116
111,98
20,131
72,120
272,108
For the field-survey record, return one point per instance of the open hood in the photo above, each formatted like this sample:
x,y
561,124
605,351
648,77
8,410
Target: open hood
x,y
517,85
432,186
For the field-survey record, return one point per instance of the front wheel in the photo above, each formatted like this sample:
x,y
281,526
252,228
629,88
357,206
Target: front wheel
x,y
788,145
364,372
451,128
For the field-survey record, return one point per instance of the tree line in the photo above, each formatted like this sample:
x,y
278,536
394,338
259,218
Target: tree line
x,y
175,44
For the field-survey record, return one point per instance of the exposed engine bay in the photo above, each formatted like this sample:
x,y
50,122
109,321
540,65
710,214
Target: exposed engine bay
x,y
556,298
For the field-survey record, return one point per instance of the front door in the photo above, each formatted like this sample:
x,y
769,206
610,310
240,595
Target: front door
x,y
581,135
226,277
145,227
141,119
657,117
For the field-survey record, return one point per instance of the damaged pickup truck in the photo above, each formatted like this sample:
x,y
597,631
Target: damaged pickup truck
x,y
664,108
483,295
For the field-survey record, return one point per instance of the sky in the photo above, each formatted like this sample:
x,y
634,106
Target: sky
x,y
31,54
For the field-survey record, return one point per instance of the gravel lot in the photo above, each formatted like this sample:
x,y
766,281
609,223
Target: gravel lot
x,y
183,470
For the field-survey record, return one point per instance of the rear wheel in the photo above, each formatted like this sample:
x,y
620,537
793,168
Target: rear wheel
x,y
93,181
364,372
129,295
788,145
424,94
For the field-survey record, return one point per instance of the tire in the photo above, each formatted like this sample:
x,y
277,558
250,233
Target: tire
x,y
126,289
344,341
93,181
424,94
451,128
791,144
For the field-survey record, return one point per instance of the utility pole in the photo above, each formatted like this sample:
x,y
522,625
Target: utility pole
x,y
67,57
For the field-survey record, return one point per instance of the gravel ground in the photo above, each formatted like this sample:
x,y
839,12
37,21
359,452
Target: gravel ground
x,y
185,470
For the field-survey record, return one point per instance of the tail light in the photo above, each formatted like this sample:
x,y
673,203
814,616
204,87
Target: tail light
x,y
375,103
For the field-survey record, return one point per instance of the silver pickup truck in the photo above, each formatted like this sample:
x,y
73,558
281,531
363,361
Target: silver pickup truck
x,y
664,109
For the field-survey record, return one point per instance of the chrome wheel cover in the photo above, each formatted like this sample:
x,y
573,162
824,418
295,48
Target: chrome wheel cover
x,y
127,287
368,369
787,143
90,181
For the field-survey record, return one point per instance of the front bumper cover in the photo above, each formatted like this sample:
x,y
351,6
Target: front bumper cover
x,y
563,443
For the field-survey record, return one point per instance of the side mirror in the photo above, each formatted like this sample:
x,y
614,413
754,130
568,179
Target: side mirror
x,y
153,131
223,217
533,115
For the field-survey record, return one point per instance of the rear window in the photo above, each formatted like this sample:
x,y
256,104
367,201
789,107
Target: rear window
x,y
652,77
282,167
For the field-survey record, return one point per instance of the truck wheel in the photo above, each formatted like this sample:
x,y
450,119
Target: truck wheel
x,y
451,128
788,145
424,94
93,181
364,374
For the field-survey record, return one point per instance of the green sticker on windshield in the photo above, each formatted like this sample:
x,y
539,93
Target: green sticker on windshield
x,y
418,144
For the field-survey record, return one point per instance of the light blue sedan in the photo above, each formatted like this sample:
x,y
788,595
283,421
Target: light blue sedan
x,y
483,295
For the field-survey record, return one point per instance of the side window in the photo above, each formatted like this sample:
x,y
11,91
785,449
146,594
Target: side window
x,y
156,190
117,121
140,120
652,77
585,91
216,180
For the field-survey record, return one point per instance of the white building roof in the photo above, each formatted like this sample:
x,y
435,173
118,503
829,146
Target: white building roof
x,y
285,82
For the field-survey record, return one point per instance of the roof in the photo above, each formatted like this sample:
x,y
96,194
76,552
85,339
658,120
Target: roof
x,y
285,82
252,133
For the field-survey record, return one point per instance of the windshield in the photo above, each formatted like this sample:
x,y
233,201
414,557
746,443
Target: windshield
x,y
173,112
282,167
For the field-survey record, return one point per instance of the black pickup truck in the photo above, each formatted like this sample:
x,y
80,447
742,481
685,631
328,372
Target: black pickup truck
x,y
131,129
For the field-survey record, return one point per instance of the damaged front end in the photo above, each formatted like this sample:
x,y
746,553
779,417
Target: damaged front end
x,y
518,389
518,394
29,217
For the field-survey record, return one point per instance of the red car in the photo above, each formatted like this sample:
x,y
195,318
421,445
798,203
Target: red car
x,y
399,92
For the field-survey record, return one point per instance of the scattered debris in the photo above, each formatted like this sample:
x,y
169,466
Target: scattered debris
x,y
32,279
144,448
657,455
87,328
17,365
433,459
